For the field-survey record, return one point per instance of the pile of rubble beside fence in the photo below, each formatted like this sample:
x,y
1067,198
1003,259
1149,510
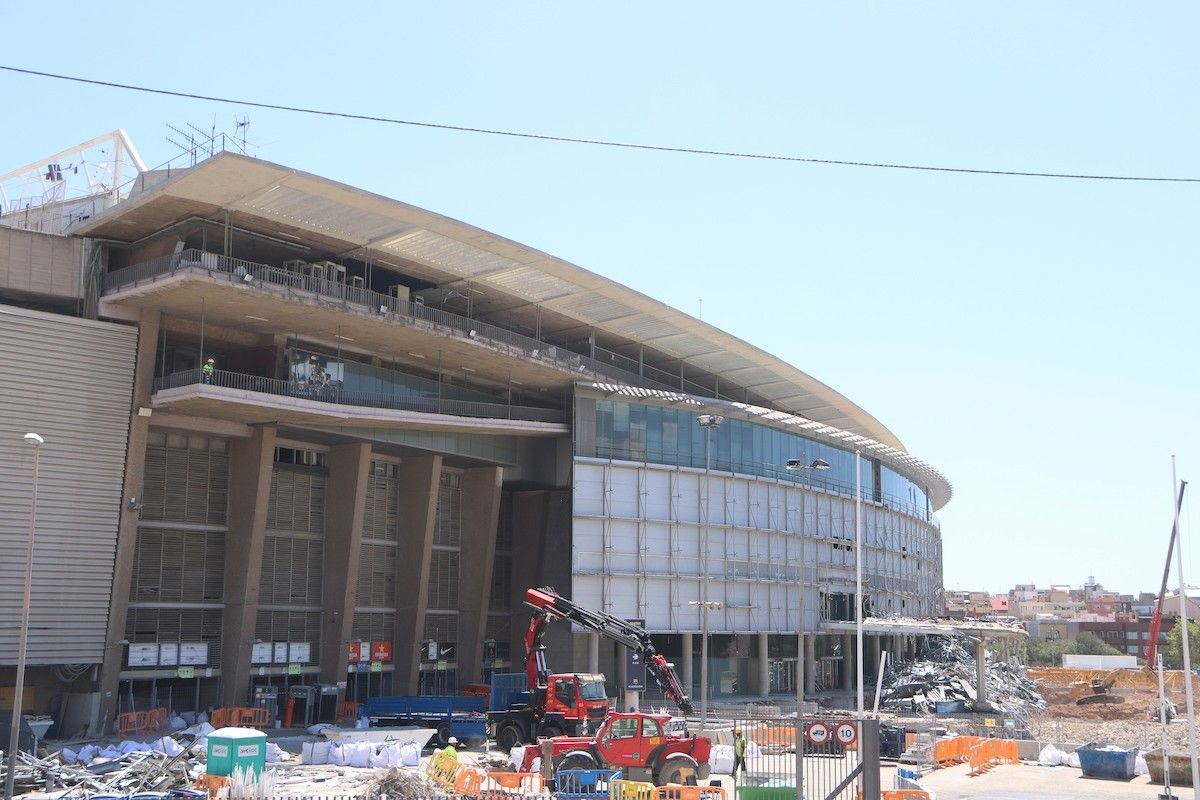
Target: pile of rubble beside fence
x,y
944,670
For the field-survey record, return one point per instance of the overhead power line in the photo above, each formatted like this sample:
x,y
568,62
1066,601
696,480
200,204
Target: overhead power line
x,y
545,137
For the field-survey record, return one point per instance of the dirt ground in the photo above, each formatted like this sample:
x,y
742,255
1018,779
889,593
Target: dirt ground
x,y
1124,724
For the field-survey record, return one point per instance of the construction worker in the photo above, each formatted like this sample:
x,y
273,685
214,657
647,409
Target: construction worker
x,y
739,752
449,750
207,370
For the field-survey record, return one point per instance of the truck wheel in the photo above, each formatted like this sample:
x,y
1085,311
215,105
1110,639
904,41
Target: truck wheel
x,y
443,734
577,760
550,731
677,770
509,737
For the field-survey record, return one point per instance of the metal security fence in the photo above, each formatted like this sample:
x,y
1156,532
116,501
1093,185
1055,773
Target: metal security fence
x,y
835,757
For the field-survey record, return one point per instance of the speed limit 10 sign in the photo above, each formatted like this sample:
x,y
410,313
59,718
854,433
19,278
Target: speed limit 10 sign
x,y
818,733
846,733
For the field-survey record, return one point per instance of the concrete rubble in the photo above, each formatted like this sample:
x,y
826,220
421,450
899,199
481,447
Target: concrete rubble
x,y
945,671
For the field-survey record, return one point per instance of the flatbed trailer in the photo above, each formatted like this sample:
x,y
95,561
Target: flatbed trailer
x,y
463,718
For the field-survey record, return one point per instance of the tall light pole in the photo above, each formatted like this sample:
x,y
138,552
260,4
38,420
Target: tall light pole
x,y
796,465
704,605
15,730
708,422
858,598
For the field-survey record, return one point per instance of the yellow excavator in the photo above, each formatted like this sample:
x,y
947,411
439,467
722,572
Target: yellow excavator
x,y
1097,690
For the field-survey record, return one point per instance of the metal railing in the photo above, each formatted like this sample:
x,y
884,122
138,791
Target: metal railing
x,y
338,396
761,470
238,270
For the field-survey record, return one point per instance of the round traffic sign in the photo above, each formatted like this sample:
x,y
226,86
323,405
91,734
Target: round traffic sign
x,y
818,733
846,733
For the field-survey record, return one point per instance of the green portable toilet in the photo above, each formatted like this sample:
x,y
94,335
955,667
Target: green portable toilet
x,y
231,748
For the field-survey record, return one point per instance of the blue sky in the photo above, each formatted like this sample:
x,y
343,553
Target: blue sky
x,y
1034,339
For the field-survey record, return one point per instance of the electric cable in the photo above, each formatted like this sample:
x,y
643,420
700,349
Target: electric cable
x,y
545,137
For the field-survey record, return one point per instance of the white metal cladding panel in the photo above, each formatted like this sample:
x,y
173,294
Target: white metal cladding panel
x,y
589,489
658,494
588,545
69,380
648,562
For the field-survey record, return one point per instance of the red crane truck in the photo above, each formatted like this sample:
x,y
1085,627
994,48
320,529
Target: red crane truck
x,y
635,743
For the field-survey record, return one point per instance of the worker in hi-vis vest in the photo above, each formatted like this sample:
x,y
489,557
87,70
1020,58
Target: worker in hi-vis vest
x,y
208,369
739,752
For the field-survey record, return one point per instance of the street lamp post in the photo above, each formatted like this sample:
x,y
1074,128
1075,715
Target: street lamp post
x,y
704,605
708,422
797,465
23,637
858,598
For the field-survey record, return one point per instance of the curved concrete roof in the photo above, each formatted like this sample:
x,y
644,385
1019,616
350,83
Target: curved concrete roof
x,y
344,219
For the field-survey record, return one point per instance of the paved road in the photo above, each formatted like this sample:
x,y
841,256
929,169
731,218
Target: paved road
x,y
1020,782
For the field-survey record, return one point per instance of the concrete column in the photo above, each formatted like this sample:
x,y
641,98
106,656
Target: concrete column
x,y
593,640
349,472
135,468
871,659
418,478
847,662
685,665
480,515
810,663
764,666
250,464
897,650
981,671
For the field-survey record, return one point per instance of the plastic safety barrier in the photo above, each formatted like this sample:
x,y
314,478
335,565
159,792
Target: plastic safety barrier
x,y
347,711
990,752
142,721
442,769
953,751
676,792
904,794
517,783
468,783
584,784
630,790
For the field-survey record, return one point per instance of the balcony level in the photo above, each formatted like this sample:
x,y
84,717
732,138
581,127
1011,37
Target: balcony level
x,y
252,399
199,285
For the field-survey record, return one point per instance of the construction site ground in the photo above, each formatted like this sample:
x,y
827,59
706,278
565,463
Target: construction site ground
x,y
1021,782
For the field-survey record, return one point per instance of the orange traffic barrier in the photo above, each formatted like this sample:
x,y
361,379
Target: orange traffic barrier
x,y
990,752
904,794
630,790
212,784
676,792
131,722
155,719
953,751
251,717
219,718
290,713
522,782
347,711
468,783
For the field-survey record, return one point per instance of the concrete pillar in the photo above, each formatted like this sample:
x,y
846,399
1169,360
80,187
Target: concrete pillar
x,y
847,662
981,671
480,514
810,663
871,662
418,478
135,468
349,472
897,650
593,640
764,666
541,524
250,464
685,665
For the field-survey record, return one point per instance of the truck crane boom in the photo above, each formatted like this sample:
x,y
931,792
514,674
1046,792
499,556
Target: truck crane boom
x,y
549,604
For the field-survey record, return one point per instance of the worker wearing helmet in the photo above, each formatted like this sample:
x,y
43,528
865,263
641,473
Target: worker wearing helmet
x,y
739,752
208,369
449,751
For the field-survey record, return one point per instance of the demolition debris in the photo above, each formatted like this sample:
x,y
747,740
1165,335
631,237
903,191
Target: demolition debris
x,y
942,680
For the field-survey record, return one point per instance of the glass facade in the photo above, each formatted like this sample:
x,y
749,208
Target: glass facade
x,y
636,432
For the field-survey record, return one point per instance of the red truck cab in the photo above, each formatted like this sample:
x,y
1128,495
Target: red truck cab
x,y
637,744
574,704
578,696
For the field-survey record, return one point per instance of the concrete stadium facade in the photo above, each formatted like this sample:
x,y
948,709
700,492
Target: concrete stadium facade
x,y
407,422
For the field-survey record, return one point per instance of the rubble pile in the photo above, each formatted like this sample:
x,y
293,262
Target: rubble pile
x,y
127,772
945,671
403,784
